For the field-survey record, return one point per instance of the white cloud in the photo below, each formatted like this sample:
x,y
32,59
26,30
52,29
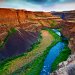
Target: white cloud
x,y
61,7
19,5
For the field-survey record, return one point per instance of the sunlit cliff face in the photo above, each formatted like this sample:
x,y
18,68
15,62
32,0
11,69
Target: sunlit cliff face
x,y
39,5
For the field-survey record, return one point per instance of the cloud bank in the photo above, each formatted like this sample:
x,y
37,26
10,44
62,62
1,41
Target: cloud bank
x,y
39,5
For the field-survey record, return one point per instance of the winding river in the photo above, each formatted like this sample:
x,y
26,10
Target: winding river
x,y
54,52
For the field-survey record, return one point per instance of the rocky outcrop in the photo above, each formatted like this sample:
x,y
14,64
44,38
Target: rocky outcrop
x,y
68,26
17,43
27,20
72,44
66,15
66,67
68,30
15,18
8,17
34,21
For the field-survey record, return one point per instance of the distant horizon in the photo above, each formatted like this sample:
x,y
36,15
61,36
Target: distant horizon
x,y
33,10
39,5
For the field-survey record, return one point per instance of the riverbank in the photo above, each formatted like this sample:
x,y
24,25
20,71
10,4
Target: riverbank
x,y
62,57
51,56
66,67
34,69
64,54
17,63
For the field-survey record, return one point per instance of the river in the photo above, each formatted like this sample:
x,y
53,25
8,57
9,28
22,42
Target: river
x,y
53,53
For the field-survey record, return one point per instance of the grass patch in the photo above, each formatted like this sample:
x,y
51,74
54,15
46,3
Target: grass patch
x,y
3,63
53,23
56,37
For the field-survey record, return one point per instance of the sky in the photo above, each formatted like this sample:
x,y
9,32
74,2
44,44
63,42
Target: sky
x,y
39,5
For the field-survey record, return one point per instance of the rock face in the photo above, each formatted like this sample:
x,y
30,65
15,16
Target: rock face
x,y
14,18
27,20
66,67
35,21
17,43
68,26
27,24
66,15
8,17
72,44
68,30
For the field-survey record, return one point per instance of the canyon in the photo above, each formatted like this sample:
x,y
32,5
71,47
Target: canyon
x,y
35,21
20,30
68,26
26,24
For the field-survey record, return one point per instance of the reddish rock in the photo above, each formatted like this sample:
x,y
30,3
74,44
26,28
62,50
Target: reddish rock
x,y
8,17
68,30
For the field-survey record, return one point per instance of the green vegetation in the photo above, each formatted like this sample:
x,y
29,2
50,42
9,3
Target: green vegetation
x,y
59,29
36,67
2,63
37,64
35,45
30,68
53,23
6,64
56,37
62,57
10,32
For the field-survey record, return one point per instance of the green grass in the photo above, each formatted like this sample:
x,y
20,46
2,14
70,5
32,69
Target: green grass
x,y
59,29
62,57
36,67
3,63
53,23
32,68
35,45
37,64
57,38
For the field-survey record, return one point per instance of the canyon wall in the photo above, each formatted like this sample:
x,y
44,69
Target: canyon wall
x,y
27,20
34,21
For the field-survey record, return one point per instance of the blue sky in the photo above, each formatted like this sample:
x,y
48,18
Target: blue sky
x,y
39,5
